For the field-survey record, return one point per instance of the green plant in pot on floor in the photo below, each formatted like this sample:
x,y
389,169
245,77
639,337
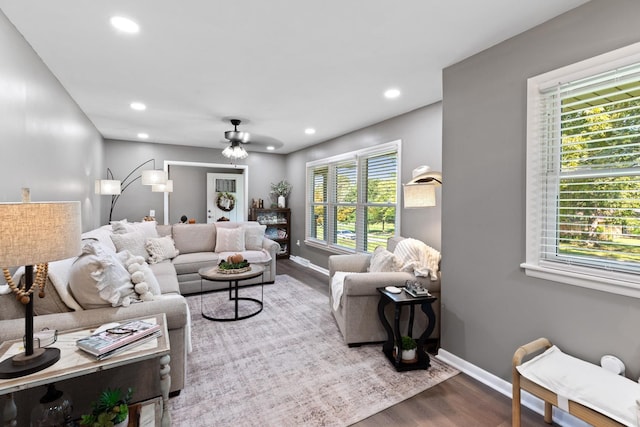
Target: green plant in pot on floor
x,y
111,409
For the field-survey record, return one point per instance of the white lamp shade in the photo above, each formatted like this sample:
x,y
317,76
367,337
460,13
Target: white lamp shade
x,y
154,176
107,186
33,233
163,188
419,195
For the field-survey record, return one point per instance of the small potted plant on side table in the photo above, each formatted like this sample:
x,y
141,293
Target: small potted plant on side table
x,y
110,410
409,346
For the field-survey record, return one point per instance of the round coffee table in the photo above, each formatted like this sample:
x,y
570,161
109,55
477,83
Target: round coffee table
x,y
212,274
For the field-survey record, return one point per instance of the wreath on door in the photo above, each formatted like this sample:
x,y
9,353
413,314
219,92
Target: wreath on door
x,y
226,201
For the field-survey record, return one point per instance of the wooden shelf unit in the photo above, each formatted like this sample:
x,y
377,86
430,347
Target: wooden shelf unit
x,y
278,222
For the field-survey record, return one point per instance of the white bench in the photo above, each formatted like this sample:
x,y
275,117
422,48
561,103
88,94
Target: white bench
x,y
585,390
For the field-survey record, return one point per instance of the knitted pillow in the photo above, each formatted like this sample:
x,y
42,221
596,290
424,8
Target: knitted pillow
x,y
161,248
132,242
230,240
382,260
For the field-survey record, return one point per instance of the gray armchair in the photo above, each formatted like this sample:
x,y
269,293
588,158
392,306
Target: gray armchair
x,y
357,314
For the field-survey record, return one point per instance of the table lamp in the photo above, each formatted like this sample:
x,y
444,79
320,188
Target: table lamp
x,y
33,234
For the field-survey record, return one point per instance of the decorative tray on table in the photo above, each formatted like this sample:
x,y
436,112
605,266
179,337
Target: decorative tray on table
x,y
226,267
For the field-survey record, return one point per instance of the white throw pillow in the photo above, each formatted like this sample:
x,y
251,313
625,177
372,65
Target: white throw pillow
x,y
230,240
132,242
98,278
127,258
161,248
253,236
382,260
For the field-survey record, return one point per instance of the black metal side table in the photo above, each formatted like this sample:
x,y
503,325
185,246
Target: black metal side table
x,y
393,335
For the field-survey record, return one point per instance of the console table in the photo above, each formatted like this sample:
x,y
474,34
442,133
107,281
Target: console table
x,y
75,363
394,336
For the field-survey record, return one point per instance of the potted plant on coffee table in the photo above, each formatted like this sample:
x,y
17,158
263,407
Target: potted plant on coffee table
x,y
110,410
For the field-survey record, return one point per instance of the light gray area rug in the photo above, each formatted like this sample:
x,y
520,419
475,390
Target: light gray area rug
x,y
287,366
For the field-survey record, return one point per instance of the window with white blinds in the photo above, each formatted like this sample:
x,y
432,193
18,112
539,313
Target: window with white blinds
x,y
583,177
351,199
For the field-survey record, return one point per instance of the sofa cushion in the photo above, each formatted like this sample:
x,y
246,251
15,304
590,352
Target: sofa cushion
x,y
163,230
98,278
133,242
160,249
230,240
190,238
253,236
383,261
165,272
191,263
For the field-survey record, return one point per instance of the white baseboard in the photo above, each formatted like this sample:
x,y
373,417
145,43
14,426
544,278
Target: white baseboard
x,y
306,263
504,387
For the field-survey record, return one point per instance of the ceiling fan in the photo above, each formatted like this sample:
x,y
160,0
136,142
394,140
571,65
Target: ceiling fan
x,y
235,136
235,151
238,139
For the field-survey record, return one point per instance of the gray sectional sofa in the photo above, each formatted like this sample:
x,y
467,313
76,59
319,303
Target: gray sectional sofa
x,y
197,246
65,305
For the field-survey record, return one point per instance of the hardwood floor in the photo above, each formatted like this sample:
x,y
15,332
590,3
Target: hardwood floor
x,y
459,401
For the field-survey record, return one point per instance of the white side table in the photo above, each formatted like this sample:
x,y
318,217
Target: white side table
x,y
75,363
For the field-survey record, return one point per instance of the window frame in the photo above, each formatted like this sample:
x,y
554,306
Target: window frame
x,y
357,156
590,277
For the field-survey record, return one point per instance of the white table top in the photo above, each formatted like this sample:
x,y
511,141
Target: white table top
x,y
75,362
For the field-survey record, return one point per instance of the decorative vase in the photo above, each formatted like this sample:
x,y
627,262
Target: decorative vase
x,y
281,202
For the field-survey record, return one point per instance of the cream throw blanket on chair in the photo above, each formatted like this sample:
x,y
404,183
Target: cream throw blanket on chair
x,y
418,258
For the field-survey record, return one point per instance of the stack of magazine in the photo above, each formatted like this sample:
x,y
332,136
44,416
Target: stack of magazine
x,y
119,338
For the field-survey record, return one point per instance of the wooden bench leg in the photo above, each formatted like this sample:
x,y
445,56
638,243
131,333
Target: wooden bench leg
x,y
515,400
548,414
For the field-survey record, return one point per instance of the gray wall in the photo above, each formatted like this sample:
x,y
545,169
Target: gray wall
x,y
421,135
123,156
47,142
489,306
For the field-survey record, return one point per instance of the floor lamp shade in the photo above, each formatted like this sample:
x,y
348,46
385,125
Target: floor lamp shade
x,y
153,176
163,188
34,233
108,186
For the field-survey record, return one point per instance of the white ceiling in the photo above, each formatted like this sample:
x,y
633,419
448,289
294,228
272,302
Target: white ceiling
x,y
279,65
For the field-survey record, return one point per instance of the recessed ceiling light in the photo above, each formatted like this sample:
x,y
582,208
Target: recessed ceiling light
x,y
392,93
309,131
139,106
125,25
271,147
143,135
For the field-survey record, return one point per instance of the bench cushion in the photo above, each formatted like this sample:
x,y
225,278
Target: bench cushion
x,y
585,383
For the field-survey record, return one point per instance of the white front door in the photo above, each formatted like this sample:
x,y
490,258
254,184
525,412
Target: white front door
x,y
225,197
